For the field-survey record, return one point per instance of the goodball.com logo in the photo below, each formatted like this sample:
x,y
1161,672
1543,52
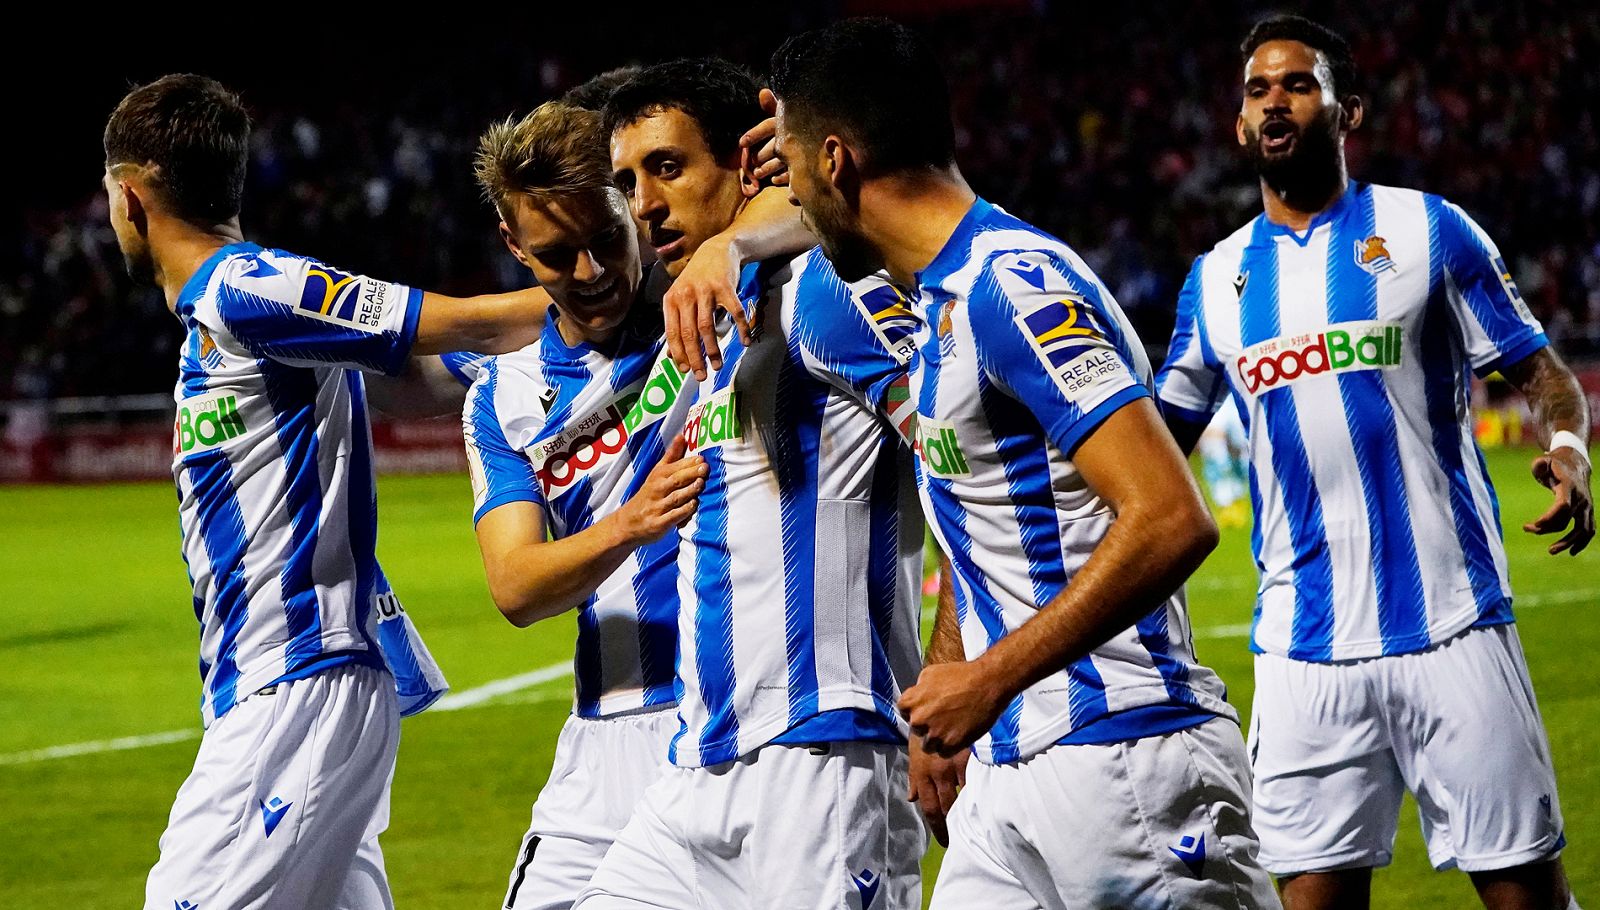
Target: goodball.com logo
x,y
1350,346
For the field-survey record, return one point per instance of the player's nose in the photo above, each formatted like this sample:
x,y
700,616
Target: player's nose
x,y
588,268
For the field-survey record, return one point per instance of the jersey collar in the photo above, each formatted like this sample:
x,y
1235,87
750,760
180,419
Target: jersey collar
x,y
1332,213
196,285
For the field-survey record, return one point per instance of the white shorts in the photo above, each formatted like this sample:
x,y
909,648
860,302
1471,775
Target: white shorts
x,y
823,827
601,769
1334,746
289,792
1159,822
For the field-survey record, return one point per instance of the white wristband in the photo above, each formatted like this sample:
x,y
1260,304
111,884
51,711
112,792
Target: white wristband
x,y
1566,439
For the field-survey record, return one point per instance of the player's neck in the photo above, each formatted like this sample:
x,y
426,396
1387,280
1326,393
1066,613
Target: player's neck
x,y
179,249
911,217
1294,204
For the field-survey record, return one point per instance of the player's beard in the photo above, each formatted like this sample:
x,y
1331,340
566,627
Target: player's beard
x,y
852,256
140,265
1310,172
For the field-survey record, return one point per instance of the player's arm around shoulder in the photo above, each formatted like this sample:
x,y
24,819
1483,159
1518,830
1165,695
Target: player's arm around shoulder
x,y
488,323
532,577
1562,420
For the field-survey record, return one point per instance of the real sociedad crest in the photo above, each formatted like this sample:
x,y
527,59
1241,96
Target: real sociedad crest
x,y
1373,256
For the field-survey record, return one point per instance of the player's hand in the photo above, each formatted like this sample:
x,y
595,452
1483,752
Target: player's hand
x,y
1566,473
935,781
668,498
759,146
952,705
707,284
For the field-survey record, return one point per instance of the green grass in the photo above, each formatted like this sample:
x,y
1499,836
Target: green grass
x,y
98,642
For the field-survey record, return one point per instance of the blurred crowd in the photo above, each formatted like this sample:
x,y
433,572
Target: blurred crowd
x,y
1112,127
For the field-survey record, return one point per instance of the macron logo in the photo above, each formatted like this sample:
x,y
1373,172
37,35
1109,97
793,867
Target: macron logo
x,y
272,812
184,905
1192,850
867,883
1029,272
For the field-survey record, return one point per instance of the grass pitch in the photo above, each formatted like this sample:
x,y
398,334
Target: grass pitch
x,y
99,645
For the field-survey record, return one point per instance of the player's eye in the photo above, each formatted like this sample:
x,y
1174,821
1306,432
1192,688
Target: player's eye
x,y
668,170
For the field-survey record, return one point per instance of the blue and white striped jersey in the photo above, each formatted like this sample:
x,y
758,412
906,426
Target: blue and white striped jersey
x,y
1022,354
272,455
800,571
575,430
1346,350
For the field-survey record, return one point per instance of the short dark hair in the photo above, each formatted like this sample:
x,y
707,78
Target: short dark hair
x,y
1314,35
593,94
876,83
195,133
721,97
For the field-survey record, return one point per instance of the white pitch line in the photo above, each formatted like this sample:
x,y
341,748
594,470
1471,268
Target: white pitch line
x,y
474,697
102,745
455,701
470,698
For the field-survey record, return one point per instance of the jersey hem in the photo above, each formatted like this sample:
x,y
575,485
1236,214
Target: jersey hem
x,y
1410,644
1047,734
753,736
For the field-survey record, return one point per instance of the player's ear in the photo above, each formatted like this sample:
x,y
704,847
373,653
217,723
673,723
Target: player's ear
x,y
1238,131
838,163
510,238
133,204
1354,111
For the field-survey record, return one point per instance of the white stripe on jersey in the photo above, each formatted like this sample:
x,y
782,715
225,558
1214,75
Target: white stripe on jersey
x,y
272,460
566,429
800,570
1344,348
1022,353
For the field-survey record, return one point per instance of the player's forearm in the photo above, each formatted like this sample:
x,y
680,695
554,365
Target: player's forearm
x,y
766,228
539,580
944,643
1554,395
488,324
1149,551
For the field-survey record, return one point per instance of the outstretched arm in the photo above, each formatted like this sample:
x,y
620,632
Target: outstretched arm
x,y
1561,418
488,324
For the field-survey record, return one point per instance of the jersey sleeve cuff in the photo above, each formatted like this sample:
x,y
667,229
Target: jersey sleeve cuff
x,y
1514,354
1069,441
408,333
501,499
1179,412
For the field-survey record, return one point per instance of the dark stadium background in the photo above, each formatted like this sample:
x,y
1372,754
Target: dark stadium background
x,y
1108,124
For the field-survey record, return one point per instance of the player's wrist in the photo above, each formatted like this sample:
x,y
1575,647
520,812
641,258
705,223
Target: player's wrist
x,y
1566,439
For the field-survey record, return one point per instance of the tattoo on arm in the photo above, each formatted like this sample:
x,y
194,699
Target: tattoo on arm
x,y
1553,393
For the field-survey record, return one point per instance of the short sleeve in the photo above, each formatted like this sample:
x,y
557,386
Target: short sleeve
x,y
303,313
1497,325
1044,334
465,366
500,474
1192,383
858,337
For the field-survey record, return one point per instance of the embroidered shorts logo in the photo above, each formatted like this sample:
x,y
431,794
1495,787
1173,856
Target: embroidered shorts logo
x,y
1363,345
